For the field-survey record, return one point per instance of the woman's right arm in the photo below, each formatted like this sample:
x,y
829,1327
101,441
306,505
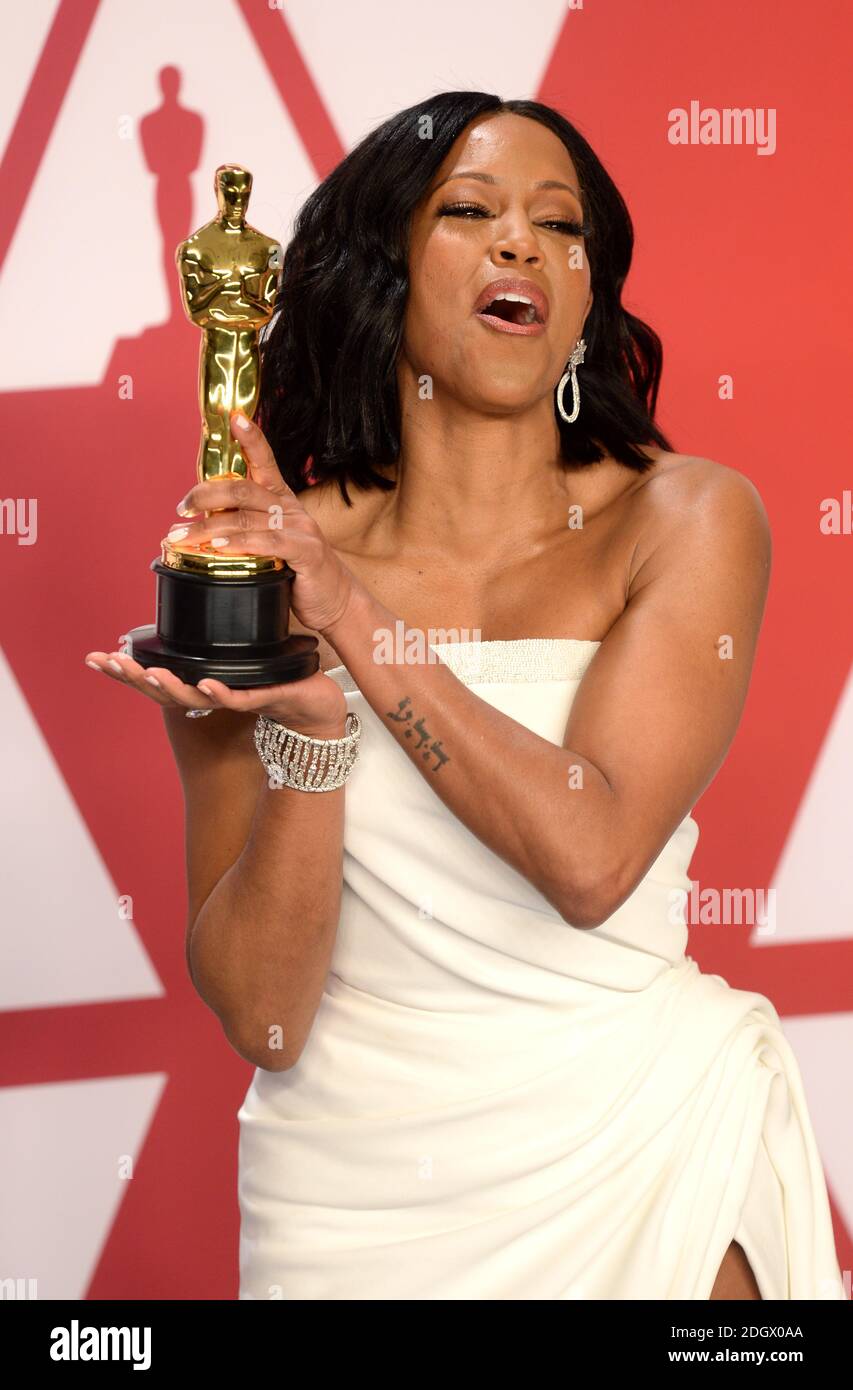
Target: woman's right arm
x,y
264,865
264,877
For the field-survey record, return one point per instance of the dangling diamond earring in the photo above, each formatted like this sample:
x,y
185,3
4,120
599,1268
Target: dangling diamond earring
x,y
574,361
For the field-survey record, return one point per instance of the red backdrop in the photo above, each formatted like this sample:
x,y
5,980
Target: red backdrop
x,y
742,265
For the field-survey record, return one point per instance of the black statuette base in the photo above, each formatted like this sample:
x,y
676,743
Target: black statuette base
x,y
234,630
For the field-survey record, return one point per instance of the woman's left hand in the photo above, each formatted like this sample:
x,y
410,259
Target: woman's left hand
x,y
261,515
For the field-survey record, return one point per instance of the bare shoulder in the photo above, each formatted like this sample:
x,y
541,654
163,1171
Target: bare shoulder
x,y
696,496
695,514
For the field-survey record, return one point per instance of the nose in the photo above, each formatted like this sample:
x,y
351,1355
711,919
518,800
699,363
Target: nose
x,y
517,242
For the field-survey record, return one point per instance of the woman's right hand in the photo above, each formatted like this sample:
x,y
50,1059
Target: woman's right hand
x,y
314,705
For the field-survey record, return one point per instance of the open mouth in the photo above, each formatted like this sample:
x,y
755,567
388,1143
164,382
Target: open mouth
x,y
516,310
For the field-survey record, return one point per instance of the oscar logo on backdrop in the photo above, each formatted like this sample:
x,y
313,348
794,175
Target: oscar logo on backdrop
x,y
171,139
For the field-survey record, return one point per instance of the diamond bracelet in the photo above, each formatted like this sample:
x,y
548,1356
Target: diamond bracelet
x,y
284,754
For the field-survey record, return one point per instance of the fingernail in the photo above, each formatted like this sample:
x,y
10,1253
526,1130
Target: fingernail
x,y
94,665
205,690
152,680
177,533
184,510
115,665
220,540
240,421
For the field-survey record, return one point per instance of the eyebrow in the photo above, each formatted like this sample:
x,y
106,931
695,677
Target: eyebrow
x,y
490,178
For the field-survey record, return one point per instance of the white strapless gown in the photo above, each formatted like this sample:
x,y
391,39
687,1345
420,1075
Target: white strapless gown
x,y
493,1104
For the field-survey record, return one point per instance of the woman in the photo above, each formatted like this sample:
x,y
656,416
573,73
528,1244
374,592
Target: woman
x,y
485,1066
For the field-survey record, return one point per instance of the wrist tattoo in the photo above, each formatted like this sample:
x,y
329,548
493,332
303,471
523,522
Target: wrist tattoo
x,y
418,729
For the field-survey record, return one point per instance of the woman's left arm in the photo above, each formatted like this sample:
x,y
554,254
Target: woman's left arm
x,y
651,721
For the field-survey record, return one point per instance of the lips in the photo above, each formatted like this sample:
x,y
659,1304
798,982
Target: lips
x,y
514,284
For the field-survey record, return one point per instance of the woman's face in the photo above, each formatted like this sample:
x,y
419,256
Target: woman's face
x,y
509,226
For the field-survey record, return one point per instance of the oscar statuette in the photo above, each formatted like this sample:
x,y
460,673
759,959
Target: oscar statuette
x,y
225,616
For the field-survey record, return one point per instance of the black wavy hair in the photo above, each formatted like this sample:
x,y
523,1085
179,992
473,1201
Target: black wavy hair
x,y
328,396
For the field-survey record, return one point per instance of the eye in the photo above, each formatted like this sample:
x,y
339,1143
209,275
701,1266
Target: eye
x,y
572,228
567,227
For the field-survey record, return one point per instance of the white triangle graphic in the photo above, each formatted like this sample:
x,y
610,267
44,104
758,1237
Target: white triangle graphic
x,y
823,1044
64,1172
483,45
62,940
32,26
814,889
118,289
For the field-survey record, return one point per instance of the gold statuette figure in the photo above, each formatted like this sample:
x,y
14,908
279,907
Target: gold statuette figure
x,y
229,277
226,616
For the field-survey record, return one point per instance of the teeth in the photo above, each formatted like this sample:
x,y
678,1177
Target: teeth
x,y
518,299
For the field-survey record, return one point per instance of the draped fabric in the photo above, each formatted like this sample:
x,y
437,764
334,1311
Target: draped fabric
x,y
494,1104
